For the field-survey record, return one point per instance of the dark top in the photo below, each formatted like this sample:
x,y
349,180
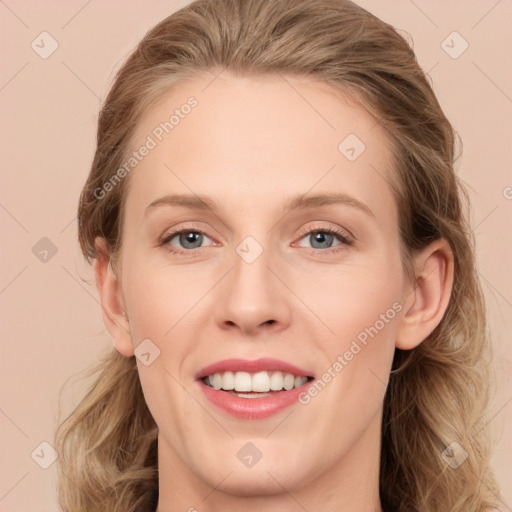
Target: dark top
x,y
150,501
153,502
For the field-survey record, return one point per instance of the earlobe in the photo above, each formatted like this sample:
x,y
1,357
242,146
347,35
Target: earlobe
x,y
426,302
110,292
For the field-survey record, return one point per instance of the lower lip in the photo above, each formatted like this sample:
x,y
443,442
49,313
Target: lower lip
x,y
252,408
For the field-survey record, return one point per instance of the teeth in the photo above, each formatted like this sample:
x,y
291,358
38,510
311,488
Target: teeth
x,y
228,381
261,382
217,381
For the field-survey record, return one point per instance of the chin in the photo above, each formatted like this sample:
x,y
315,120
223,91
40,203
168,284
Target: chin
x,y
256,482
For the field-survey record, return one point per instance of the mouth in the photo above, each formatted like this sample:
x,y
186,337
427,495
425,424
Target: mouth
x,y
254,385
253,389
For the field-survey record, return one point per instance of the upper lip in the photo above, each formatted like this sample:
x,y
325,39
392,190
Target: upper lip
x,y
257,365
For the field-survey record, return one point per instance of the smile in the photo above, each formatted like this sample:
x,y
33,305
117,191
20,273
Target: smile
x,y
260,383
253,389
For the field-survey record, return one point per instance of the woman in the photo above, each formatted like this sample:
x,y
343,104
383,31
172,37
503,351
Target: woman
x,y
284,263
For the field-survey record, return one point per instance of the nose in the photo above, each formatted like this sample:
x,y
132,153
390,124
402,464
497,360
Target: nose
x,y
252,298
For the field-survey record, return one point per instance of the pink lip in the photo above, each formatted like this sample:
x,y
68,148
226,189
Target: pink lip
x,y
258,365
252,408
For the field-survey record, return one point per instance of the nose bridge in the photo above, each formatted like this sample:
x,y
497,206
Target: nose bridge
x,y
252,295
251,263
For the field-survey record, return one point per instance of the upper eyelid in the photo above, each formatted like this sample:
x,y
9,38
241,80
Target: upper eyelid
x,y
305,231
342,231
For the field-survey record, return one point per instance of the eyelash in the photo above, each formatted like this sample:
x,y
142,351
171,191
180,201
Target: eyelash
x,y
342,237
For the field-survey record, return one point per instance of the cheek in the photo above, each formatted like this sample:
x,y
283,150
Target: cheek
x,y
158,298
364,310
353,298
361,306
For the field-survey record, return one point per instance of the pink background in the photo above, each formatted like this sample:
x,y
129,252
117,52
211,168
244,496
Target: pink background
x,y
51,320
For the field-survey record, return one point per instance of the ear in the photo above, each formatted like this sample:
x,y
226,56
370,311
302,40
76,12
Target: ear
x,y
110,292
426,303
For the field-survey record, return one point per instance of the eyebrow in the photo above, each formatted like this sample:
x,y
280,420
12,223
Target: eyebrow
x,y
202,202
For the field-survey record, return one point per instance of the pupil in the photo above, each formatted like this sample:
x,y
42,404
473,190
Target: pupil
x,y
324,239
191,238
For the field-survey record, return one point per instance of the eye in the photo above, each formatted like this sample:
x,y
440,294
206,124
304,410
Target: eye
x,y
325,238
184,240
319,239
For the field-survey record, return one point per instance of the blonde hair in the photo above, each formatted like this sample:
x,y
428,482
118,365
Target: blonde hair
x,y
437,393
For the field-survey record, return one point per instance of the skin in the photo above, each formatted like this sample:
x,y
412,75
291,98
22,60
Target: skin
x,y
251,145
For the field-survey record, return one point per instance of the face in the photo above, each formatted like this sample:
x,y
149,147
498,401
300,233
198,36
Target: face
x,y
292,255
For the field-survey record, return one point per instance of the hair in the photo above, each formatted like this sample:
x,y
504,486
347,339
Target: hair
x,y
437,392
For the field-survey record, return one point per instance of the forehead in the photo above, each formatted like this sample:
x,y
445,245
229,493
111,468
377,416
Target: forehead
x,y
248,141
